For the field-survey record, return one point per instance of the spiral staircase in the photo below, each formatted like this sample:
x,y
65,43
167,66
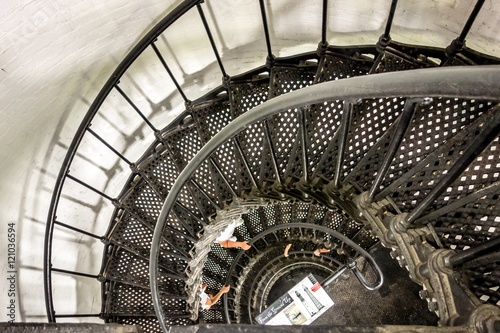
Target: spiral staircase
x,y
347,148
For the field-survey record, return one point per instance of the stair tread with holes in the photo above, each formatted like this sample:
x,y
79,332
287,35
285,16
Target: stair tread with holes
x,y
266,161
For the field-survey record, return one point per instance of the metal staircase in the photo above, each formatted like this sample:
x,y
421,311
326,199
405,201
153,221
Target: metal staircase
x,y
323,149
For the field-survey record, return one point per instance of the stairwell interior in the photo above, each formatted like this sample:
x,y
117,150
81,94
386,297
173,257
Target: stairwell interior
x,y
387,144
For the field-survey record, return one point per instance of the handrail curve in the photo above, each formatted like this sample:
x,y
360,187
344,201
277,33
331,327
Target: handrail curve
x,y
451,82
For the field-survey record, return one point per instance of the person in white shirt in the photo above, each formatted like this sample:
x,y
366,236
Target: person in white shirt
x,y
226,238
207,300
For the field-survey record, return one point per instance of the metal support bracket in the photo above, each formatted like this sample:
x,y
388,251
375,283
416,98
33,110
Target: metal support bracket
x,y
426,265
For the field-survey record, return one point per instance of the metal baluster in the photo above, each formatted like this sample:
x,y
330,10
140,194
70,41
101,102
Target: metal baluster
x,y
270,56
323,44
169,271
184,256
90,188
447,146
324,22
267,133
92,276
148,181
178,169
385,39
218,169
453,206
210,37
457,45
187,211
78,230
326,154
342,141
303,142
397,138
81,315
135,108
373,150
202,191
109,146
245,162
160,195
490,246
179,89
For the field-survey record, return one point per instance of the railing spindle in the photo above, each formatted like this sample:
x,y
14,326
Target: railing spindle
x,y
473,197
129,101
385,39
324,22
390,18
183,256
267,133
303,142
205,194
457,45
471,20
270,55
161,195
178,168
190,213
78,315
212,42
64,225
65,271
460,258
245,162
109,146
342,141
172,77
102,194
461,136
224,179
397,138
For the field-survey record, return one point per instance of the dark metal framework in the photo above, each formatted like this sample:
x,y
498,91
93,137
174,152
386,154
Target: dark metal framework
x,y
295,171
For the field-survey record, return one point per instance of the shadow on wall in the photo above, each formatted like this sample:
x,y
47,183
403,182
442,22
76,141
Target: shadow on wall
x,y
57,103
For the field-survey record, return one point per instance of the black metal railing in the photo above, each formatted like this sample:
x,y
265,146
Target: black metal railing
x,y
149,41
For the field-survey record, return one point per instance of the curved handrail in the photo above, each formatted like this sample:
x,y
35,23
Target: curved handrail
x,y
468,82
145,42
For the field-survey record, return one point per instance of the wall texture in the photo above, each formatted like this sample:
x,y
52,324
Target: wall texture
x,y
54,57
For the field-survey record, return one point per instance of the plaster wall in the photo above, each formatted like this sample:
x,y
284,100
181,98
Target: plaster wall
x,y
56,55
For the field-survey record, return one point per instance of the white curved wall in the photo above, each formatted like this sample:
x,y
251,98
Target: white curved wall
x,y
55,56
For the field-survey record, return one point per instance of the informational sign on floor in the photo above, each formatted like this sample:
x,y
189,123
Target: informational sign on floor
x,y
301,305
